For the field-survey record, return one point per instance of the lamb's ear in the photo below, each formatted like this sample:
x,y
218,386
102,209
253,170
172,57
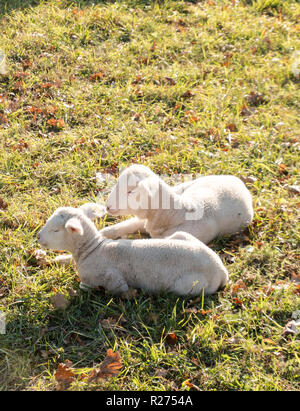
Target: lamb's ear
x,y
147,186
93,210
73,226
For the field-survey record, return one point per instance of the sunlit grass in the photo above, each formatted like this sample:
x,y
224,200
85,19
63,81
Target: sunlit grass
x,y
185,88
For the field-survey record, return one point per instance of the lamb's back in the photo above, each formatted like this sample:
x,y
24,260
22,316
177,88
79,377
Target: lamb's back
x,y
160,255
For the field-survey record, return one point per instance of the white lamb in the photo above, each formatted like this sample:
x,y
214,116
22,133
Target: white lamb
x,y
206,207
179,264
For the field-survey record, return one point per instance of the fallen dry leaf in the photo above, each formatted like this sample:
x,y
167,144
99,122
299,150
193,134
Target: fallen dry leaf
x,y
191,385
3,204
56,123
294,189
297,289
187,94
154,45
64,375
195,301
246,111
110,366
237,286
255,99
161,372
295,278
282,168
248,179
96,76
238,302
59,301
171,339
170,81
231,127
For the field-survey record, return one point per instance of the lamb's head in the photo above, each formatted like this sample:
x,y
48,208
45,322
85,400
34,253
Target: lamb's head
x,y
133,191
67,226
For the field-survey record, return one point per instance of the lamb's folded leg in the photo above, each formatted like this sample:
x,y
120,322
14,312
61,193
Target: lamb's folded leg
x,y
114,282
123,229
181,235
180,188
65,259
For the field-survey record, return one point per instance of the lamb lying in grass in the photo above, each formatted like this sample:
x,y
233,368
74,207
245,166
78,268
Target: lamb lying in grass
x,y
206,207
179,264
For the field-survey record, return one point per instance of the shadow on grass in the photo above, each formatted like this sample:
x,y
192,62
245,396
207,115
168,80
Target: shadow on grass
x,y
92,323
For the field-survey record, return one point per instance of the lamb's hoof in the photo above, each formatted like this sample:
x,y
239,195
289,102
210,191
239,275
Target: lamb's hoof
x,y
64,259
130,294
109,234
85,287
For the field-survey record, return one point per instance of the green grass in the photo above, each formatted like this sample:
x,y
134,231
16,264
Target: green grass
x,y
185,88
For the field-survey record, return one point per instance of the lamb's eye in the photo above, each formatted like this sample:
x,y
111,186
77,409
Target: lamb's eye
x,y
56,231
129,191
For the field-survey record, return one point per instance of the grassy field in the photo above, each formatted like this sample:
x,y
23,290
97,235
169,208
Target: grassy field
x,y
199,87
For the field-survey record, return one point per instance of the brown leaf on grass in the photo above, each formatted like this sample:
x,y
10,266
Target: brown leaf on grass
x,y
193,119
59,301
238,302
48,85
231,127
187,94
26,64
204,312
144,60
294,189
3,119
56,123
161,373
282,168
178,106
110,367
246,111
248,179
296,290
97,76
154,45
226,63
19,75
139,79
170,81
195,301
20,146
239,285
3,204
194,310
77,12
255,99
189,384
171,339
295,278
64,375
